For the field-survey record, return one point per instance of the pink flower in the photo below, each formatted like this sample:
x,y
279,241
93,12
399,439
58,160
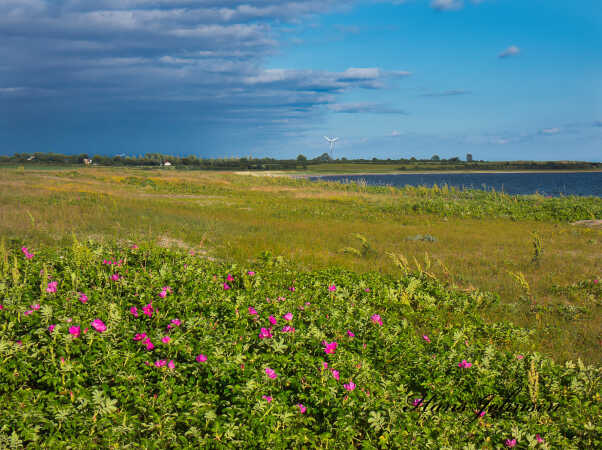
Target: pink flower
x,y
139,336
163,294
35,307
160,363
201,358
292,288
51,328
538,438
134,311
349,386
510,443
267,398
250,273
335,374
148,343
165,339
272,320
367,290
271,373
1,307
376,319
83,297
99,325
596,281
176,322
288,316
519,356
329,347
332,288
171,364
75,331
350,334
325,365
148,310
28,312
252,311
480,413
288,329
26,253
115,277
302,408
417,402
265,333
229,277
464,364
426,338
51,288
134,247
226,286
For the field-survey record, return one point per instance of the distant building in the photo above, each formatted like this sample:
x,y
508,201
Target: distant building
x,y
30,158
87,161
469,157
167,163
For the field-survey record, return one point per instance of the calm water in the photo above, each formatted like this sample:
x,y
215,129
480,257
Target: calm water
x,y
555,184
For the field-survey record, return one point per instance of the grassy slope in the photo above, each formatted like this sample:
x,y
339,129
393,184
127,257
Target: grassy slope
x,y
478,240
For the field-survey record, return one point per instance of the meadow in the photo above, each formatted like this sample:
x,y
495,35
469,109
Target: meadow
x,y
504,288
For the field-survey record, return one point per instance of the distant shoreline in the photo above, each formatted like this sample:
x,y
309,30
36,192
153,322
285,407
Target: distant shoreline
x,y
438,172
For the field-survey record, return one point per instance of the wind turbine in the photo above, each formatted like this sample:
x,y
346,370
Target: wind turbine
x,y
332,142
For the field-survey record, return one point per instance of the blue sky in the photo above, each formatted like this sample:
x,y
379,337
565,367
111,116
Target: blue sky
x,y
501,79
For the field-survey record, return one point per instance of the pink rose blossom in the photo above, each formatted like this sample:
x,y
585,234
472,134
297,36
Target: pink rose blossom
x,y
163,294
538,438
139,336
83,297
350,334
226,286
75,331
99,325
134,247
302,408
265,333
28,312
519,356
510,443
165,339
201,358
292,288
271,373
426,338
160,363
51,328
229,277
252,311
51,288
332,288
171,364
267,398
149,345
349,386
335,374
377,319
288,329
325,365
148,310
367,290
464,364
134,311
329,347
272,320
115,277
417,402
288,316
250,273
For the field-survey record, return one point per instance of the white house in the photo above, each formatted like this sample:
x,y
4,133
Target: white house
x,y
167,163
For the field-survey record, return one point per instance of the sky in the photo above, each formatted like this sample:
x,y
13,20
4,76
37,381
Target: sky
x,y
500,79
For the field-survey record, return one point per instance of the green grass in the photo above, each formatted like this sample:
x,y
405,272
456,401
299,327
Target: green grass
x,y
480,239
68,384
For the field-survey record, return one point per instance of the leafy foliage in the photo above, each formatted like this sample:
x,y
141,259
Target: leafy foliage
x,y
418,380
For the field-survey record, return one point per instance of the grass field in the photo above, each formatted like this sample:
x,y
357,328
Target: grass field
x,y
522,249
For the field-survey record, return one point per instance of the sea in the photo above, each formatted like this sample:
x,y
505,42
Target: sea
x,y
553,184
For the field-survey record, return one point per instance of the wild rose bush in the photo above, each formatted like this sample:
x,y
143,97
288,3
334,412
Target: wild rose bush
x,y
171,350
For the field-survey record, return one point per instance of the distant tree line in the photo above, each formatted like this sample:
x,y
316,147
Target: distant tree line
x,y
299,163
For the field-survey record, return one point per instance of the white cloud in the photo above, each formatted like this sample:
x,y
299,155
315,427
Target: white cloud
x,y
550,131
447,5
510,51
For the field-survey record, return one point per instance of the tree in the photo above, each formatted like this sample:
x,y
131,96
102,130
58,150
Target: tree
x,y
301,158
435,158
469,157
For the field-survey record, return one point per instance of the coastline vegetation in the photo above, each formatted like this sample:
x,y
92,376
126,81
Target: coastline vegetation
x,y
522,248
